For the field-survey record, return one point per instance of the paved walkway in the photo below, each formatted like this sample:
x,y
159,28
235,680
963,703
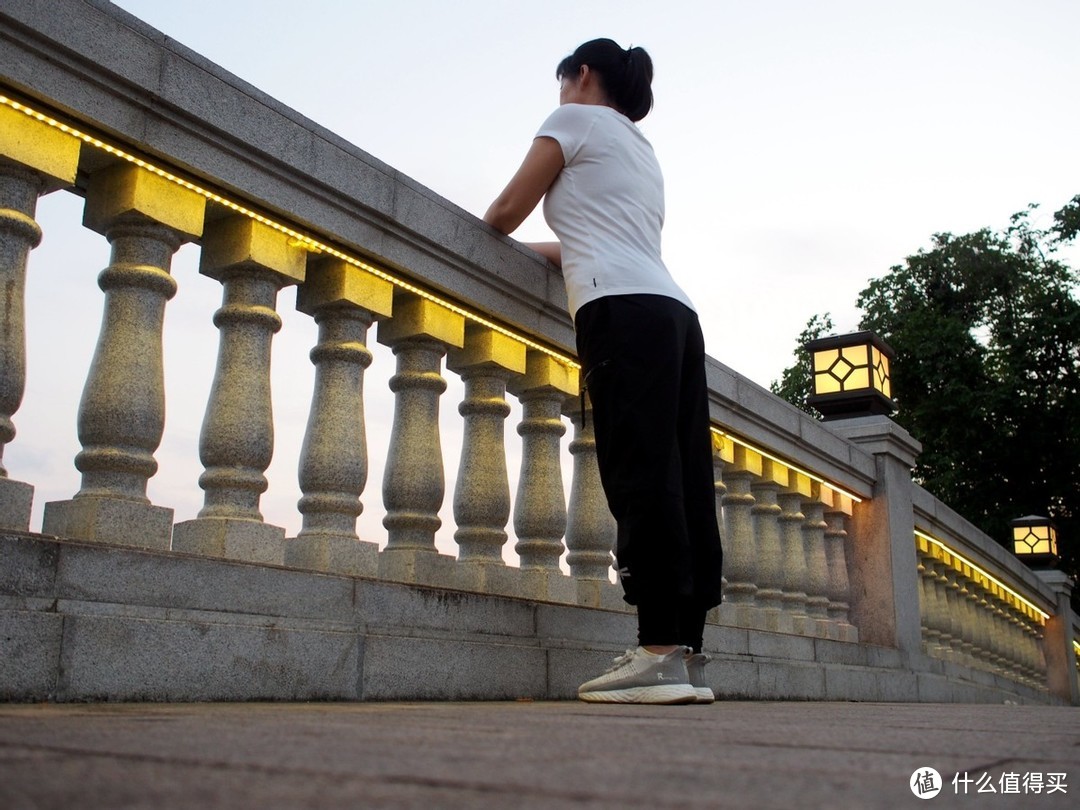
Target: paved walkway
x,y
532,755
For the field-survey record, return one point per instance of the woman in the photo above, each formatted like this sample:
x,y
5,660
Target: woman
x,y
642,356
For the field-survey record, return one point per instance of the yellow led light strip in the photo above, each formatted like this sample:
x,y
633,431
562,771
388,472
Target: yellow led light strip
x,y
301,239
314,245
1020,599
788,464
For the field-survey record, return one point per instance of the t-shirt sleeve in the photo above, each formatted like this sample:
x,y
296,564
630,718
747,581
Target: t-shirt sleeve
x,y
569,125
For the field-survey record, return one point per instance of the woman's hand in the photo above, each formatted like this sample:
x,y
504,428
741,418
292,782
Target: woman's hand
x,y
538,171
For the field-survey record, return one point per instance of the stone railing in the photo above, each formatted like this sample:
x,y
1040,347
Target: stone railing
x,y
979,607
826,538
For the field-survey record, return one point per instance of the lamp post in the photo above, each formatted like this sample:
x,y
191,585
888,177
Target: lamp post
x,y
1035,541
851,375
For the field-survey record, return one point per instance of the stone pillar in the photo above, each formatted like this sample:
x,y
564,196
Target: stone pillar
x,y
253,262
122,411
955,603
34,160
927,601
770,552
482,492
419,334
723,454
795,568
740,549
1059,639
884,575
344,301
946,618
836,552
817,566
966,608
984,625
590,526
540,505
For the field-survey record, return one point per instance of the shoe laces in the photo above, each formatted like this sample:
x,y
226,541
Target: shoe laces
x,y
623,659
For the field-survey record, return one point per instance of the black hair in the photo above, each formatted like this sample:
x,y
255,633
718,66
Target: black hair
x,y
625,74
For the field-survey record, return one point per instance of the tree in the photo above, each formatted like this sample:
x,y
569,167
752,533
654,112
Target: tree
x,y
797,383
986,329
1067,221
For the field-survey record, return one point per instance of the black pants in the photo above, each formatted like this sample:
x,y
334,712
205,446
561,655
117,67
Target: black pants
x,y
643,361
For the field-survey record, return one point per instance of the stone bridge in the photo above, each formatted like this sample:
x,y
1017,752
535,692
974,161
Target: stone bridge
x,y
845,580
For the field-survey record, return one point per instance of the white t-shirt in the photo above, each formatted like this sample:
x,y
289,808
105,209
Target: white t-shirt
x,y
606,206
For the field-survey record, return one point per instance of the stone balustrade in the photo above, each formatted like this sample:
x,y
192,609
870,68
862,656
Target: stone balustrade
x,y
826,537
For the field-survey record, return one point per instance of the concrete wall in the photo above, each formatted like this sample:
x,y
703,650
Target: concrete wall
x,y
81,622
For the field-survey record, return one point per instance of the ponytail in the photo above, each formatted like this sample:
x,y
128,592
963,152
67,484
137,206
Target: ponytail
x,y
626,74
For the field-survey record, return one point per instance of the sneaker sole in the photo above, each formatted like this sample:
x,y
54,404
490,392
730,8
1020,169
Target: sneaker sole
x,y
703,694
663,695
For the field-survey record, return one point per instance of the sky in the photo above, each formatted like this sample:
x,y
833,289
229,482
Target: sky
x,y
807,147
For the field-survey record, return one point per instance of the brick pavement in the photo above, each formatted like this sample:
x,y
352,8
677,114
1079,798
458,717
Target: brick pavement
x,y
530,755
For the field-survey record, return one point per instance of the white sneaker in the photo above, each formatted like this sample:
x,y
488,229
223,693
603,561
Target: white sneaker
x,y
639,676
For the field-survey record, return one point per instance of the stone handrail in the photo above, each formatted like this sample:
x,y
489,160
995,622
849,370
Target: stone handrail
x,y
168,148
980,604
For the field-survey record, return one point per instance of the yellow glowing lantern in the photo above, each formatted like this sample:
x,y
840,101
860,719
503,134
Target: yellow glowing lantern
x,y
1035,541
851,375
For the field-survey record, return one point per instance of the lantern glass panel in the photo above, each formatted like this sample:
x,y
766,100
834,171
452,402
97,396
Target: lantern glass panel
x,y
858,378
824,359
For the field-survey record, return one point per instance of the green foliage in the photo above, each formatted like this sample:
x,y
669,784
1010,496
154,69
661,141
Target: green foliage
x,y
798,381
986,329
1067,221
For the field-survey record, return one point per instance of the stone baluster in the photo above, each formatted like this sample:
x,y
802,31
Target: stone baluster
x,y
1009,652
34,160
795,568
937,635
927,602
770,550
540,505
122,411
253,262
1013,664
1031,665
420,334
972,617
967,611
1037,657
590,527
1006,639
1036,662
1037,652
482,493
941,610
935,610
723,454
1023,664
740,549
836,552
984,625
344,300
998,658
817,565
964,644
957,603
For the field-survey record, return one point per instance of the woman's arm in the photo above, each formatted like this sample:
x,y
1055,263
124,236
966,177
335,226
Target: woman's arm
x,y
552,251
538,171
